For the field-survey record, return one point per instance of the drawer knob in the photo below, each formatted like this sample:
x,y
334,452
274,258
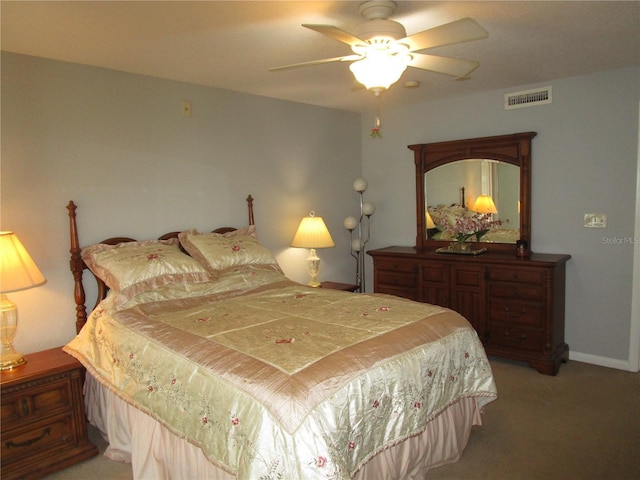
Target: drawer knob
x,y
514,314
31,441
514,275
394,280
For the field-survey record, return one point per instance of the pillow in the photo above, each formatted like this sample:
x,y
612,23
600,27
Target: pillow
x,y
445,215
133,267
218,252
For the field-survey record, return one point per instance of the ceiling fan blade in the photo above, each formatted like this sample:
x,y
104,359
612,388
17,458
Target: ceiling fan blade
x,y
336,34
463,30
449,66
347,58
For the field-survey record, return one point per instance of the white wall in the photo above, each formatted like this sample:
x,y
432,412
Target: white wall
x,y
118,146
584,160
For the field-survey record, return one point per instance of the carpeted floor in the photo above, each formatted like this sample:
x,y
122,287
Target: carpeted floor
x,y
582,424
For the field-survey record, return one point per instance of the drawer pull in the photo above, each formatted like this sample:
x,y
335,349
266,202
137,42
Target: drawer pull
x,y
25,407
515,339
31,441
514,314
514,276
394,280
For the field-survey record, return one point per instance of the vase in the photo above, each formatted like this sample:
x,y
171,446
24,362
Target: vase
x,y
460,246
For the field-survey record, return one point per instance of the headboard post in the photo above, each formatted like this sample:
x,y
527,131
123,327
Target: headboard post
x,y
77,266
250,206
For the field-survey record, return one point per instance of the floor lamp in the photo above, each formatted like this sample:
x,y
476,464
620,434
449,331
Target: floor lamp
x,y
363,235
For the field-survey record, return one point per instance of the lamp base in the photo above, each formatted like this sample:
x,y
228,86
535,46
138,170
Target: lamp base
x,y
313,267
10,359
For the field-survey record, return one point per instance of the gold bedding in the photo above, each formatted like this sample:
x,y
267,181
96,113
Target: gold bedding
x,y
272,379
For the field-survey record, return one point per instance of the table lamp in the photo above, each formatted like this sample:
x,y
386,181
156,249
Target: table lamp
x,y
313,233
17,272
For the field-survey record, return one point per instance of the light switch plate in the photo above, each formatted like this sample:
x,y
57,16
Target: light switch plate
x,y
595,220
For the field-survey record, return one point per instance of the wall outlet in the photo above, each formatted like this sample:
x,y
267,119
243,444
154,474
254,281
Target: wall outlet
x,y
595,220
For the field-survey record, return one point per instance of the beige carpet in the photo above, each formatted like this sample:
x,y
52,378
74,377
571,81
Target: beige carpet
x,y
582,424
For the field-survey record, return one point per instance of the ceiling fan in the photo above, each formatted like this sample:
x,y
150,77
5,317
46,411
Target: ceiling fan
x,y
382,50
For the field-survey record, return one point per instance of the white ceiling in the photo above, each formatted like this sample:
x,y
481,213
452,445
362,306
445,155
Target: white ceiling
x,y
231,44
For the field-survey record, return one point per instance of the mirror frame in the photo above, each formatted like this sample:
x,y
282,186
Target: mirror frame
x,y
514,149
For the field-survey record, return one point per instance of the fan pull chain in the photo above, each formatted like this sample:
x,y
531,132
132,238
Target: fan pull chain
x,y
375,131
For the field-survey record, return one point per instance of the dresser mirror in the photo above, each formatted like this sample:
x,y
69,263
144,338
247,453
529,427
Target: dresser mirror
x,y
452,175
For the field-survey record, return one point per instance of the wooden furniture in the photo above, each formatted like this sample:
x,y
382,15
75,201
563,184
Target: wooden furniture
x,y
345,287
513,149
516,305
43,422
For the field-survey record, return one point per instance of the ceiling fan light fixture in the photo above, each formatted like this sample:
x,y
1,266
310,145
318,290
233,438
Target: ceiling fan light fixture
x,y
380,68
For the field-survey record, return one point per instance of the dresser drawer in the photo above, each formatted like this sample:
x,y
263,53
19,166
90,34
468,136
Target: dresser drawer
x,y
521,291
408,293
516,337
45,436
521,275
43,399
395,266
514,312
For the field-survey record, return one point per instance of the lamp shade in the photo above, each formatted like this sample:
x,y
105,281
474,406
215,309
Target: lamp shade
x,y
17,270
312,233
430,223
484,204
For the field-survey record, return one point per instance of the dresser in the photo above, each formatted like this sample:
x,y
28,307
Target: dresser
x,y
516,305
43,422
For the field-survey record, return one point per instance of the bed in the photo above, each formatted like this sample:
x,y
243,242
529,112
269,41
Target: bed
x,y
204,361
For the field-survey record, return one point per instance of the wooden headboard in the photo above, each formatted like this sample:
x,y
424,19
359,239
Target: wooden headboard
x,y
78,266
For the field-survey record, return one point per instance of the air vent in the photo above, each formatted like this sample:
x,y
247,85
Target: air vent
x,y
527,98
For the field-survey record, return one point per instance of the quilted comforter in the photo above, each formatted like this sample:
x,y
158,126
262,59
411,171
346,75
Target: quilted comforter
x,y
272,379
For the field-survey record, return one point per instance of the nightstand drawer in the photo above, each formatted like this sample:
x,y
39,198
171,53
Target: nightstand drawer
x,y
43,437
44,399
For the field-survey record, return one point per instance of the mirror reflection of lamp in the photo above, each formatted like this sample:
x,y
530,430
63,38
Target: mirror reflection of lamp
x,y
430,223
484,204
431,226
17,272
313,233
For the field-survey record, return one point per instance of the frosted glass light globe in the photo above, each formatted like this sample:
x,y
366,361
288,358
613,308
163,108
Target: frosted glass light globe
x,y
360,185
350,223
355,245
368,208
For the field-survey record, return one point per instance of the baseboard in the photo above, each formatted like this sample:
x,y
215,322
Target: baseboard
x,y
602,361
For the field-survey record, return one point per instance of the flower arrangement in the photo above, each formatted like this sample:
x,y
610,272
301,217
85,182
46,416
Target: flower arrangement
x,y
475,225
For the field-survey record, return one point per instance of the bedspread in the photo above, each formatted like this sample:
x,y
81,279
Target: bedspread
x,y
283,380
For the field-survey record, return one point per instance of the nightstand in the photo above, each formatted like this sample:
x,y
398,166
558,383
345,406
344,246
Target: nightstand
x,y
346,287
43,423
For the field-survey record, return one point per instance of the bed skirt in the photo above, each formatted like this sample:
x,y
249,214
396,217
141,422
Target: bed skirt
x,y
156,453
